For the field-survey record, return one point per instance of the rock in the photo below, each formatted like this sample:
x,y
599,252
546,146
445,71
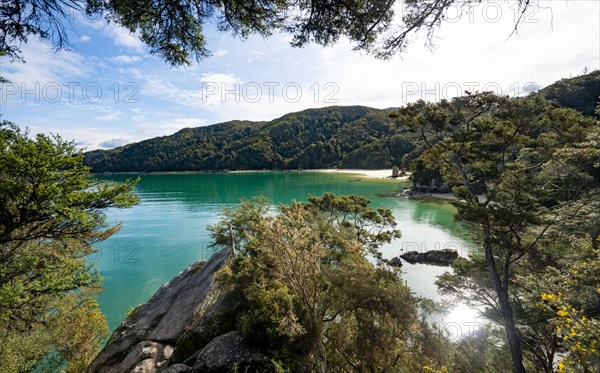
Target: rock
x,y
145,366
159,323
394,262
434,185
149,352
178,368
167,352
439,257
141,358
230,352
218,319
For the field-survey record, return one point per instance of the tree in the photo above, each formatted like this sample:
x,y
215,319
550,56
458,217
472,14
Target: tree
x,y
311,296
174,29
510,162
50,217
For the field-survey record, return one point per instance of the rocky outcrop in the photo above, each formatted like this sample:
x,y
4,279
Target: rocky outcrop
x,y
219,318
435,185
229,352
187,326
438,257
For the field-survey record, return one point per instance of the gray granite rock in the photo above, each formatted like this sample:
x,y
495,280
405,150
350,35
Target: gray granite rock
x,y
230,352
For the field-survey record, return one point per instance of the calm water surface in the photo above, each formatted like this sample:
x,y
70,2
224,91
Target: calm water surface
x,y
167,230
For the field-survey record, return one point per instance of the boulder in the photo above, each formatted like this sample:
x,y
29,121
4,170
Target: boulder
x,y
438,257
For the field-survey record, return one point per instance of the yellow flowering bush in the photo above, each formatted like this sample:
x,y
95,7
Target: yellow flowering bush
x,y
572,303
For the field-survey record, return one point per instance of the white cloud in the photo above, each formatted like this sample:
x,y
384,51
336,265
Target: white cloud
x,y
113,116
148,126
45,67
113,143
219,78
132,71
220,52
84,38
473,54
125,59
87,136
123,38
255,56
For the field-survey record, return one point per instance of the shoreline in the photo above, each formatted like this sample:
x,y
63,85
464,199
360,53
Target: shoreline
x,y
371,174
434,197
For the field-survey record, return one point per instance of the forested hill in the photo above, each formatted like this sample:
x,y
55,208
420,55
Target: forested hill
x,y
580,93
350,136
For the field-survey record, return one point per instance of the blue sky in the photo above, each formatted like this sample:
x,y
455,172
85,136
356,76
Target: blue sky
x,y
109,90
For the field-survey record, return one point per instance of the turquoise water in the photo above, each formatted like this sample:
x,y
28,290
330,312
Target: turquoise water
x,y
167,230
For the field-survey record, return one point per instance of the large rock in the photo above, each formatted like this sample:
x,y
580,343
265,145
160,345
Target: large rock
x,y
230,352
216,320
144,341
439,257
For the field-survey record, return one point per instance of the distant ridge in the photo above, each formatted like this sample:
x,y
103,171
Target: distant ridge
x,y
336,136
580,93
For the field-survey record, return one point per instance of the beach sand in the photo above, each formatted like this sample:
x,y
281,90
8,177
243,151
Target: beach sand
x,y
374,174
377,174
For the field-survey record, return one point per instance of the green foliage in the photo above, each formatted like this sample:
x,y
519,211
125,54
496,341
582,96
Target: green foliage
x,y
352,137
51,216
526,174
66,340
311,296
581,93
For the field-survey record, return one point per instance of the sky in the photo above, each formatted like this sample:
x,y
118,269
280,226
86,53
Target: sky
x,y
109,91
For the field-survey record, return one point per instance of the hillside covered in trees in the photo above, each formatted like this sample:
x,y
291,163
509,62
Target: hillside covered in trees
x,y
337,136
353,136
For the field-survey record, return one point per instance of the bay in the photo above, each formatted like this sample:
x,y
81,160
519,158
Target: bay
x,y
167,231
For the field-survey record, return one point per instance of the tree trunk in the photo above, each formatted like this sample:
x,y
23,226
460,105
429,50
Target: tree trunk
x,y
514,341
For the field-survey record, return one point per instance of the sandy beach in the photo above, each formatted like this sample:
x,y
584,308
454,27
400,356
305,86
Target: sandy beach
x,y
376,174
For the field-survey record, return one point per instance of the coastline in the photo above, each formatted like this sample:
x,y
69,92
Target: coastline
x,y
371,174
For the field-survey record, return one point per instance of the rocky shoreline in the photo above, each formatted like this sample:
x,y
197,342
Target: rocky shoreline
x,y
187,326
